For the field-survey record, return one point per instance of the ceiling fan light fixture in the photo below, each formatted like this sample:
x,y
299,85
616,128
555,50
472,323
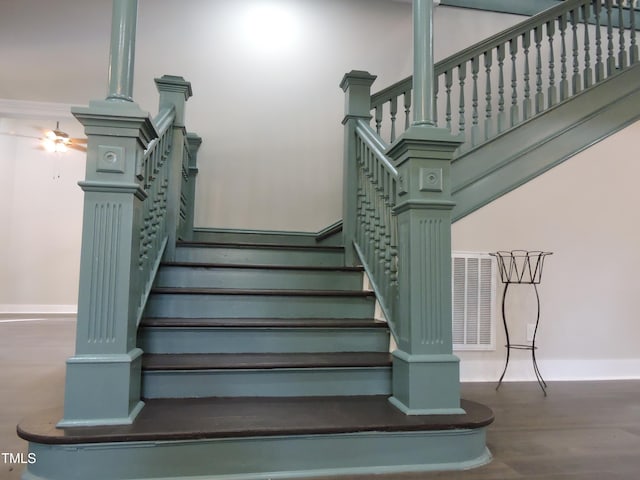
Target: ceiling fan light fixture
x,y
56,141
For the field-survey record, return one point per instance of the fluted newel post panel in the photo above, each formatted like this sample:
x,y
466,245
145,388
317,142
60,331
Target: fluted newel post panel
x,y
426,377
174,92
357,88
194,142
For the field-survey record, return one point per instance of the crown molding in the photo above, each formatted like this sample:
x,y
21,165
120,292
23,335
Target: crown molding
x,y
29,109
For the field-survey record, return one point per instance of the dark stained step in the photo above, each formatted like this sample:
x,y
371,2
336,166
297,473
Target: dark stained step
x,y
201,418
269,246
264,361
263,292
172,302
264,322
320,268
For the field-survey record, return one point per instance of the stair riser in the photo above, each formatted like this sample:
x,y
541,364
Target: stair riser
x,y
255,306
247,278
369,454
263,340
260,256
300,382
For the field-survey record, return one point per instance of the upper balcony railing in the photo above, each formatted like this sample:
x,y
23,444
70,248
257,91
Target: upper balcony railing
x,y
508,78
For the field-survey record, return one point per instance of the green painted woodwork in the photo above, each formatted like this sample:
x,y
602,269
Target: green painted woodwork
x,y
174,92
123,47
260,255
103,377
193,143
425,372
543,142
263,339
263,458
229,304
423,85
277,382
329,236
189,276
357,88
506,79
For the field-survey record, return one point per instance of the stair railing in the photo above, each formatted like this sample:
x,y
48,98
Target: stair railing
x,y
516,74
376,226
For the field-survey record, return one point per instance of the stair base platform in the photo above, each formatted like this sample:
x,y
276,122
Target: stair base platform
x,y
258,438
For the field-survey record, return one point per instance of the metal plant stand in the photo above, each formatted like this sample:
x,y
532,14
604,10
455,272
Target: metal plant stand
x,y
523,267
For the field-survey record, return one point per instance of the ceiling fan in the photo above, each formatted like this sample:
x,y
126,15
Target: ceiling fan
x,y
56,140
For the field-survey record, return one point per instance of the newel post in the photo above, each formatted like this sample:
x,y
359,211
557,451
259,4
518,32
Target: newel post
x,y
357,88
103,377
426,376
194,142
174,92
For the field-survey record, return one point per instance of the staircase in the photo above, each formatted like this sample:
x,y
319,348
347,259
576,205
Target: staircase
x,y
258,356
259,320
253,355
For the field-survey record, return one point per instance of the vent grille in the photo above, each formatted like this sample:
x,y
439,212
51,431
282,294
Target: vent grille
x,y
473,294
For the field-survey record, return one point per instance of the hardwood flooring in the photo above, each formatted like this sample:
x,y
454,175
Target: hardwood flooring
x,y
581,431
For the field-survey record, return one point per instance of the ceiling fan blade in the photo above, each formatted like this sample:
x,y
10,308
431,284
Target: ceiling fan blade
x,y
79,148
78,140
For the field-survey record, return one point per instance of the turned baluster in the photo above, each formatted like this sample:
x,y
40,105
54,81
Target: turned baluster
x,y
588,73
622,54
576,80
553,93
378,118
475,68
448,82
393,110
515,114
526,102
611,59
501,112
633,49
462,75
537,35
599,67
488,122
407,109
564,83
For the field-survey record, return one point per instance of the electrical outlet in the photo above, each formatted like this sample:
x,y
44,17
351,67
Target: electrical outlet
x,y
531,328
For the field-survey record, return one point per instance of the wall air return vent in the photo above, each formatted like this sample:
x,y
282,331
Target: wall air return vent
x,y
474,290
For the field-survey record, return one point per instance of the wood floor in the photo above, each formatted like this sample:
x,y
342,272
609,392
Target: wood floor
x,y
582,430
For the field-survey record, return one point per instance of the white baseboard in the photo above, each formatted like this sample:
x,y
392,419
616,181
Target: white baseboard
x,y
39,309
521,370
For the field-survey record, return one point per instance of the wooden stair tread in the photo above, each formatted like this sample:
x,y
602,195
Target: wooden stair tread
x,y
310,248
263,267
264,322
262,292
200,418
263,361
